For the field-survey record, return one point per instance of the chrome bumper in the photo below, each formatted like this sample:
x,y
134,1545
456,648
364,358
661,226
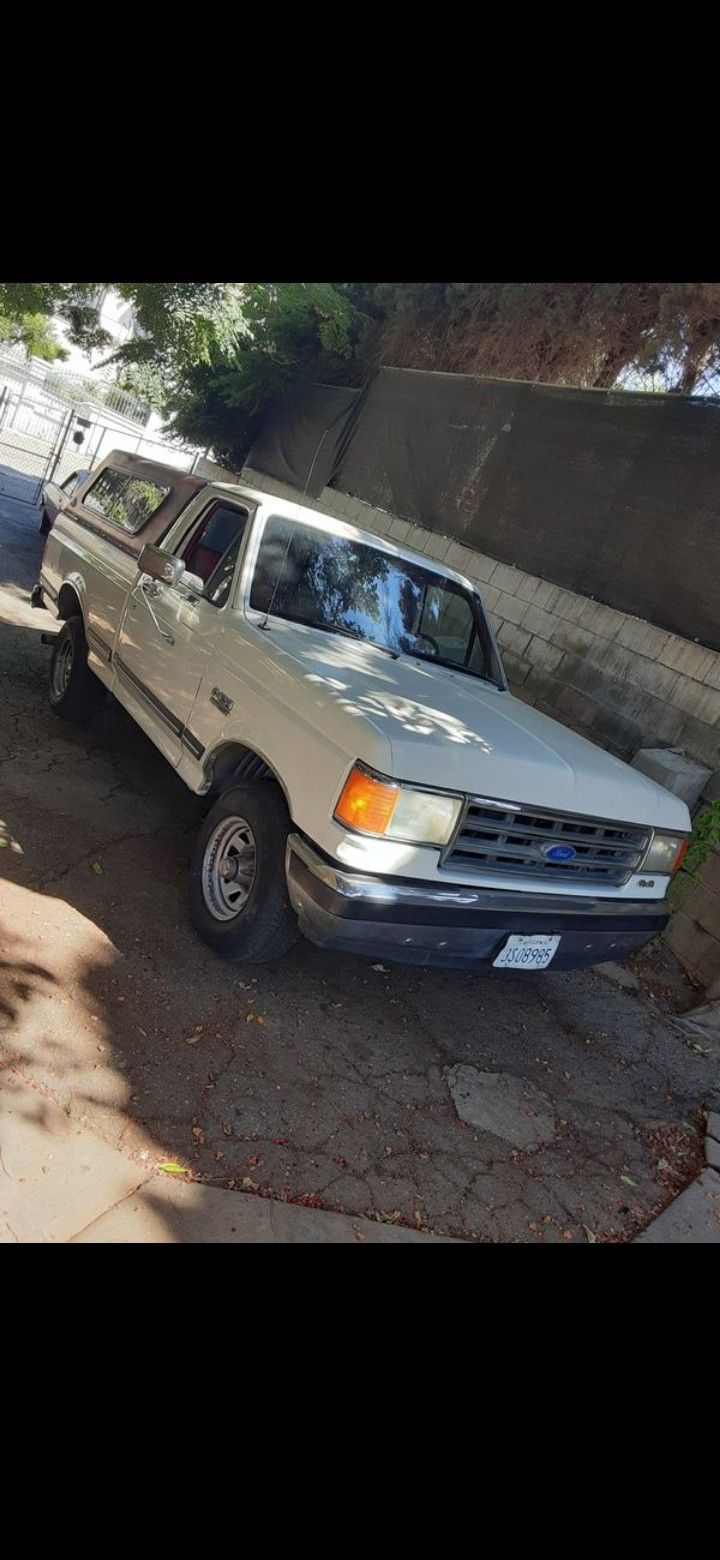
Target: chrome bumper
x,y
463,927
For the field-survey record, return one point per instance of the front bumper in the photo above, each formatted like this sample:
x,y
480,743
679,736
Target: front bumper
x,y
454,926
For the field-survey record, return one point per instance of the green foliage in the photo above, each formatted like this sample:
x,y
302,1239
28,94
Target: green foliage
x,y
33,332
706,832
213,356
71,301
280,333
144,380
648,335
180,324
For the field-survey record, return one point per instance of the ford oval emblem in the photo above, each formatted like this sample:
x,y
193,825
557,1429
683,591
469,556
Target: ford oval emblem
x,y
559,852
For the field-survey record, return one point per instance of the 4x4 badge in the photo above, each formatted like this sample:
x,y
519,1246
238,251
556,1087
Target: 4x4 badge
x,y
221,700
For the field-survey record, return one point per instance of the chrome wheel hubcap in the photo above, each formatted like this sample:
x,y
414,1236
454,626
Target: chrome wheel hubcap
x,y
62,668
228,869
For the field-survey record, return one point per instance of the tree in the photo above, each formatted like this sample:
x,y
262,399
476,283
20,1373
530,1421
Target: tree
x,y
73,302
213,356
33,332
656,335
273,335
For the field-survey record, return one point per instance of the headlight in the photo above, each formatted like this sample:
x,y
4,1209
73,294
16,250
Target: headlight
x,y
665,853
382,807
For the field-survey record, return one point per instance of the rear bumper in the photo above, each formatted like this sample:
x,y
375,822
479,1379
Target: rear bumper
x,y
453,926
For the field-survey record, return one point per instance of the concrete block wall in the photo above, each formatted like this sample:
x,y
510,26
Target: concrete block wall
x,y
693,932
616,679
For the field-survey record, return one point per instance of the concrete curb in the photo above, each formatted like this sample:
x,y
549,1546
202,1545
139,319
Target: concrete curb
x,y
62,1184
163,1212
694,1217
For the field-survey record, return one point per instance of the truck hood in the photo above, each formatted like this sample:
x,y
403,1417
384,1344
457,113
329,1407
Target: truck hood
x,y
451,730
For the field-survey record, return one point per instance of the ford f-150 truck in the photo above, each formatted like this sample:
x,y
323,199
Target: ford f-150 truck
x,y
342,703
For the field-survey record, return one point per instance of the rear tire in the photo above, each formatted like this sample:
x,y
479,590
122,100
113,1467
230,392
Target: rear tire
x,y
239,900
75,692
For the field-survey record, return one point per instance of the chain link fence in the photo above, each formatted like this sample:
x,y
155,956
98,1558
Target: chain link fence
x,y
45,437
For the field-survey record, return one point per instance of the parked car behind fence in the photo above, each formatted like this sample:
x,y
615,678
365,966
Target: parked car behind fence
x,y
55,494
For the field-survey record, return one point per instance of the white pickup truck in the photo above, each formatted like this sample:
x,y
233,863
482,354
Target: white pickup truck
x,y
342,703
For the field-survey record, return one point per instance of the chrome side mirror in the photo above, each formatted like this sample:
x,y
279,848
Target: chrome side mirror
x,y
161,566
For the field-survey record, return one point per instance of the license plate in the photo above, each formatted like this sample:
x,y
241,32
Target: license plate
x,y
526,953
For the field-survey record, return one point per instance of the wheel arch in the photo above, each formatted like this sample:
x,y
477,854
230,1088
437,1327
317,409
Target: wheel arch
x,y
237,762
69,602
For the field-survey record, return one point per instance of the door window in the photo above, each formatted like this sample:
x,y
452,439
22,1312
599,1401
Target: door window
x,y
212,549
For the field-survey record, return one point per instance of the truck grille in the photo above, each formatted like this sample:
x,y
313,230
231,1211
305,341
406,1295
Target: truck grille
x,y
516,840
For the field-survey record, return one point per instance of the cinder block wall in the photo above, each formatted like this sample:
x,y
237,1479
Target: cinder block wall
x,y
616,679
693,932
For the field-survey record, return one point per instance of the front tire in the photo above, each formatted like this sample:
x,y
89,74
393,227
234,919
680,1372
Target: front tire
x,y
75,692
238,891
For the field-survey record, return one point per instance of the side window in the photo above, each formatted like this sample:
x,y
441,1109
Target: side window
x,y
125,500
212,549
69,483
447,619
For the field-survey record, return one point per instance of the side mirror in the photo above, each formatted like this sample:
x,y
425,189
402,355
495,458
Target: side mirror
x,y
162,566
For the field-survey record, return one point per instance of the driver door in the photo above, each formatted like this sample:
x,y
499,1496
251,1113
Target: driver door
x,y
168,631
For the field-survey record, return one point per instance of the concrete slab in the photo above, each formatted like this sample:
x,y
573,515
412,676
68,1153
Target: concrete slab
x,y
164,1212
55,1176
712,1153
703,1025
620,975
508,1107
673,769
692,1219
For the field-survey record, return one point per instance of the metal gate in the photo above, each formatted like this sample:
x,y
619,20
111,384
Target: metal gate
x,y
34,440
45,437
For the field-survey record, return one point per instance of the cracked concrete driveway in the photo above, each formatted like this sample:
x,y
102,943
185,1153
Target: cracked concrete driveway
x,y
506,1106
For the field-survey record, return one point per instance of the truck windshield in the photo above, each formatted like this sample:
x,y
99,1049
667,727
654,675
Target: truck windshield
x,y
348,587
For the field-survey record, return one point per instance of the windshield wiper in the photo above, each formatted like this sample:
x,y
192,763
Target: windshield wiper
x,y
353,633
453,666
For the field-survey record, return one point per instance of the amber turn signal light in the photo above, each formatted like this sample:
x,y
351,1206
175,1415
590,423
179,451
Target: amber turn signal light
x,y
679,859
366,803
